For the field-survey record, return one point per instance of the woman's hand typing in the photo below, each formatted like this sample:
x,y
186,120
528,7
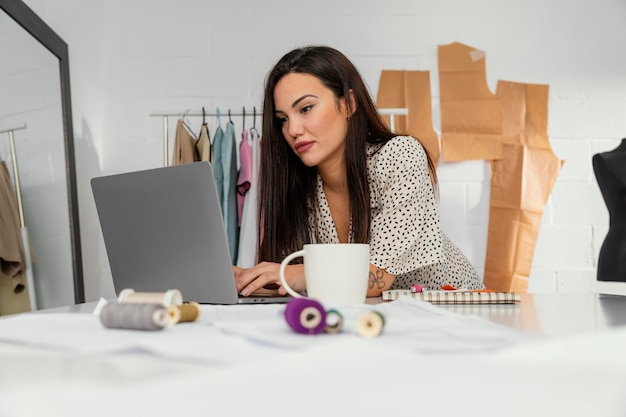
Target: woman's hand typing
x,y
265,275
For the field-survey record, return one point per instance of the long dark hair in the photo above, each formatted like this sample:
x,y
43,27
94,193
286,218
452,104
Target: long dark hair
x,y
287,186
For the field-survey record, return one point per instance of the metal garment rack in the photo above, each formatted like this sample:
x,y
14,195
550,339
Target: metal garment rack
x,y
391,112
166,115
30,281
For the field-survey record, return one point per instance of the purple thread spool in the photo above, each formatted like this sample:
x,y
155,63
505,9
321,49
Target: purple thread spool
x,y
305,316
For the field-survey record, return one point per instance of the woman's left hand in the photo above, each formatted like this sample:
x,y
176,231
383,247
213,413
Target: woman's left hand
x,y
252,280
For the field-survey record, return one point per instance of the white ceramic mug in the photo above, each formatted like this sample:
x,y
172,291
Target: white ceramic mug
x,y
335,273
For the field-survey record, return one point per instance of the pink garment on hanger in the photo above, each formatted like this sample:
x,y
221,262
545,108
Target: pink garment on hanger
x,y
245,173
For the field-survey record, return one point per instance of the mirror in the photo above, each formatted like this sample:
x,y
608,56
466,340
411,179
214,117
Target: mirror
x,y
35,107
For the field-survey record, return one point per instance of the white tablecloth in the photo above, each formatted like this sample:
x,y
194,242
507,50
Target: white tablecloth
x,y
238,360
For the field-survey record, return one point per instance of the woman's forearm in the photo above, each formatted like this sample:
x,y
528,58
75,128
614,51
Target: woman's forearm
x,y
379,281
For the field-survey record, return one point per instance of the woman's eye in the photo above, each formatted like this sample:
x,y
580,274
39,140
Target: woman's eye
x,y
306,109
282,120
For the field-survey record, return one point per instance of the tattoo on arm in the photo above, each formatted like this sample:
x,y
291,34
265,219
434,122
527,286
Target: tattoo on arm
x,y
376,279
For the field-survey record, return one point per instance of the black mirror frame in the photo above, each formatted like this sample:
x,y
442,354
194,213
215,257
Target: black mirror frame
x,y
33,24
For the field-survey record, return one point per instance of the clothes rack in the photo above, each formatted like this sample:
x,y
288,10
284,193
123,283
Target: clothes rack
x,y
391,112
30,280
166,115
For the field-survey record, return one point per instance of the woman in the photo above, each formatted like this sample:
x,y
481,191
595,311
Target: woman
x,y
332,172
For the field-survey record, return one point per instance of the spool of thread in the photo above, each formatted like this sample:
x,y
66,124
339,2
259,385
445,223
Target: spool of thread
x,y
334,321
167,298
370,324
138,316
416,288
305,316
188,312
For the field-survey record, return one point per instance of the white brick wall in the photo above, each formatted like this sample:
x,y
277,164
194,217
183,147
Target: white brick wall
x,y
131,57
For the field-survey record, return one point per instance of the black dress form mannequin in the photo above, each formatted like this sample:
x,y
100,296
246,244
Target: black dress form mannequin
x,y
610,171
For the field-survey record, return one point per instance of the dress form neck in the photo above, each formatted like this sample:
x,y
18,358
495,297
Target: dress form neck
x,y
621,147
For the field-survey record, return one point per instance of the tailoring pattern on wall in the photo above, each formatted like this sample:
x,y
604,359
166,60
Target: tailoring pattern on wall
x,y
508,129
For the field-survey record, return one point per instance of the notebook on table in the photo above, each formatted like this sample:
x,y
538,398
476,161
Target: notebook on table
x,y
163,229
455,297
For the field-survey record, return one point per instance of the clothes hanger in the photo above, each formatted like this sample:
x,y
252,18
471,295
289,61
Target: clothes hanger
x,y
243,125
230,120
253,128
189,129
204,125
203,145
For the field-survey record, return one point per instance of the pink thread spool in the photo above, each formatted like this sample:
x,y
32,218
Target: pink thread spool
x,y
305,316
416,288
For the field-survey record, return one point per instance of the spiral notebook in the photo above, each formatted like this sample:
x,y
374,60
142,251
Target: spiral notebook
x,y
455,297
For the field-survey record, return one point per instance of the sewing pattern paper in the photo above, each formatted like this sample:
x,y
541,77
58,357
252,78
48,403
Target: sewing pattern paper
x,y
471,124
410,90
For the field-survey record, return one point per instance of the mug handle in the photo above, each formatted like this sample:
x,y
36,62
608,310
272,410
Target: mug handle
x,y
281,273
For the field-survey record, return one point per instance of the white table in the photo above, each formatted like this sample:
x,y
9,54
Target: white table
x,y
554,354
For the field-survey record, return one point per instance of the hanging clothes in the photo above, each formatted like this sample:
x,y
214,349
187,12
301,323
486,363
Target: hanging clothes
x,y
13,298
218,170
11,256
229,188
245,173
185,150
203,145
249,231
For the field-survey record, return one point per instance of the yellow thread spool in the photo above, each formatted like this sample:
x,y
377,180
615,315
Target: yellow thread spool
x,y
370,324
173,315
188,312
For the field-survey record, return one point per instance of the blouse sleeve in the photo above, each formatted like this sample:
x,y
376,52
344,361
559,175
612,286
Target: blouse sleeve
x,y
405,231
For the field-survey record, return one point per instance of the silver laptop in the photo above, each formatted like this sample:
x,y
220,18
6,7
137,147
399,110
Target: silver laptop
x,y
163,229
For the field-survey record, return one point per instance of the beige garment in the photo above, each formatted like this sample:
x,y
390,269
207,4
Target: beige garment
x,y
203,145
13,296
184,146
11,253
410,90
12,302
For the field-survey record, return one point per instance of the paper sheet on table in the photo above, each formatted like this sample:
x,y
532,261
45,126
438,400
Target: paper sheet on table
x,y
85,335
226,338
410,90
521,182
410,324
471,125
